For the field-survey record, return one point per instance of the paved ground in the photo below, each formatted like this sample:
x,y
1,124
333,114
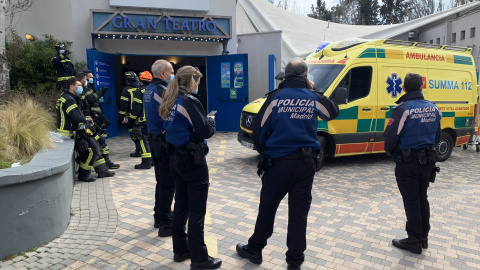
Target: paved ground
x,y
355,213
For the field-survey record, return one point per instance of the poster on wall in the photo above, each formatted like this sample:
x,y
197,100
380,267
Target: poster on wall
x,y
225,66
102,76
238,69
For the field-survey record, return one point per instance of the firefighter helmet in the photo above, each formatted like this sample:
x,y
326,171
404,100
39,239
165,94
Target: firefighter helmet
x,y
130,76
59,46
145,76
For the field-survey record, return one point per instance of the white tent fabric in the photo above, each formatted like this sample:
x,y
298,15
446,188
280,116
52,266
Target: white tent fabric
x,y
301,35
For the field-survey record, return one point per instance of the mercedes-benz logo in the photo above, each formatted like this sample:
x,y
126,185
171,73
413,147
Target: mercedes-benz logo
x,y
248,120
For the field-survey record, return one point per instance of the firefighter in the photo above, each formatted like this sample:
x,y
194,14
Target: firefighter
x,y
72,122
63,65
138,123
91,99
126,100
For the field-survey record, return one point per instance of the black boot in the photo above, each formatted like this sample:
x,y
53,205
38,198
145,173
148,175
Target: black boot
x,y
245,252
109,163
180,257
135,154
411,244
164,231
84,175
210,263
102,171
146,164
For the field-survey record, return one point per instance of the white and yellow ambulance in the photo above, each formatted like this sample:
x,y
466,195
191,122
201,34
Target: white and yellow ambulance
x,y
365,78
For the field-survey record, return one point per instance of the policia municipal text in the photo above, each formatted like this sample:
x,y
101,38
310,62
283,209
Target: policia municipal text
x,y
288,160
410,137
187,126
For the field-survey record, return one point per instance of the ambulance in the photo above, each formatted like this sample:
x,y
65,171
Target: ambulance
x,y
365,78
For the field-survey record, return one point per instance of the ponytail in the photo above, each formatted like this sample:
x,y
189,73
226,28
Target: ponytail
x,y
169,97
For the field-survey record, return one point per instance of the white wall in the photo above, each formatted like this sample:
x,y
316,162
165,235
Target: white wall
x,y
70,20
259,46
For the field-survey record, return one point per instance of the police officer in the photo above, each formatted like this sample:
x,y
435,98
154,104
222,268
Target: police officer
x,y
285,132
165,187
71,122
63,65
411,135
187,126
131,79
137,120
91,100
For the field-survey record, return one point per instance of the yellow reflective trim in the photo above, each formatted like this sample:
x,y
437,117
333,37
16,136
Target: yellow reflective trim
x,y
97,137
99,162
142,144
147,155
124,98
90,155
95,109
138,100
64,132
62,99
122,112
85,167
71,108
133,117
106,151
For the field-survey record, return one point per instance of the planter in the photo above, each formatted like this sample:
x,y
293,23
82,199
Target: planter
x,y
35,199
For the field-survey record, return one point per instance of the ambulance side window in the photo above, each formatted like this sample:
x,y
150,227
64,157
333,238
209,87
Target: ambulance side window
x,y
357,82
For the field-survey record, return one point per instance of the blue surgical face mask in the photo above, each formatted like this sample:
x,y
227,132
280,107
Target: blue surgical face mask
x,y
79,90
171,78
90,80
62,51
196,91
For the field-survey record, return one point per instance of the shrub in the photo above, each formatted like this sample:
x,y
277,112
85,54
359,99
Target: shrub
x,y
24,127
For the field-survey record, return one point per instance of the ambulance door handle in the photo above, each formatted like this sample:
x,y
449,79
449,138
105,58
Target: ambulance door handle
x,y
367,109
386,109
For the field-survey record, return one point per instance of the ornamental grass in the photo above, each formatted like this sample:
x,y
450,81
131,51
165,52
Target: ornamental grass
x,y
24,128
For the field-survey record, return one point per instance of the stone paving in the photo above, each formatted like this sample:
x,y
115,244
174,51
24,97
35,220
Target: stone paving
x,y
356,211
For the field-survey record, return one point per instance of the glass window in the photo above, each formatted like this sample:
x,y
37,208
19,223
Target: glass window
x,y
323,75
431,41
462,35
357,82
438,41
472,32
454,37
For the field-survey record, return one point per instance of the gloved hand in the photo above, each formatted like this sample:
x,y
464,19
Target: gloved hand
x,y
136,132
81,145
85,130
103,132
103,89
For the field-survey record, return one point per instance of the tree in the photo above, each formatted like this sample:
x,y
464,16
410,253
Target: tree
x,y
320,11
394,11
420,8
456,3
368,12
4,69
440,6
346,12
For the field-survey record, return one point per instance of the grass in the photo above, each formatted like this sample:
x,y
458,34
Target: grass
x,y
24,127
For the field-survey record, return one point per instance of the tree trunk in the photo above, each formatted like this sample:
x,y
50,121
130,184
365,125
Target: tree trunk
x,y
4,67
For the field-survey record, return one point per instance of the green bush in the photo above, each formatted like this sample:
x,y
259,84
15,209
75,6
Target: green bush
x,y
24,127
31,67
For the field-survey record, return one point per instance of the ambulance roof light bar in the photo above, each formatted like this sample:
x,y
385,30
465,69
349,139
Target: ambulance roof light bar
x,y
399,42
426,45
347,43
458,49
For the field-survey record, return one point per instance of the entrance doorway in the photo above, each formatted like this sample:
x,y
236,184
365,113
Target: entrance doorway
x,y
224,86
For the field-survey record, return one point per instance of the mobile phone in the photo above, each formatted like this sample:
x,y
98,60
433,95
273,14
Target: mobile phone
x,y
212,113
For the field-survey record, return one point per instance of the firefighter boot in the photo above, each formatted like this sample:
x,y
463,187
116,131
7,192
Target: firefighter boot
x,y
102,171
146,164
84,175
138,151
109,163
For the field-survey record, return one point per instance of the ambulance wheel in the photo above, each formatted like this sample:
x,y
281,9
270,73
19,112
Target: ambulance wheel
x,y
444,147
321,153
465,146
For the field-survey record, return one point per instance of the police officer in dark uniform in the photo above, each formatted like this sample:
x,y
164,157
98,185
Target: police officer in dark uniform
x,y
187,126
285,132
72,122
411,136
165,188
63,65
138,123
126,100
91,100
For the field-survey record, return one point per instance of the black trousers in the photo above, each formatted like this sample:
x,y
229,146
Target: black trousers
x,y
165,187
295,177
135,140
412,181
191,192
